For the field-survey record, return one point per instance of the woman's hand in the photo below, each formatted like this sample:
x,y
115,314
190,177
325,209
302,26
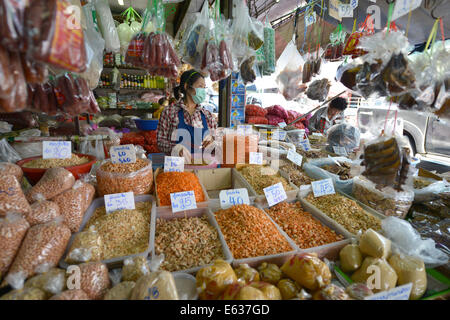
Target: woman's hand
x,y
207,141
181,151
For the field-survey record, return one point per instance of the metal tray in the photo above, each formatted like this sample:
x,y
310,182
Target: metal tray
x,y
164,213
114,262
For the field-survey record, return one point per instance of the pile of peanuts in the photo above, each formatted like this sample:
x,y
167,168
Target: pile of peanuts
x,y
249,232
306,231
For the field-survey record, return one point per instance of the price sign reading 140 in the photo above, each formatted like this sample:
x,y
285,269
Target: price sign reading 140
x,y
233,197
182,201
323,187
123,154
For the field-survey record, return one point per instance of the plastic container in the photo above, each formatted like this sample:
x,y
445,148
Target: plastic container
x,y
146,125
114,262
164,213
34,175
186,286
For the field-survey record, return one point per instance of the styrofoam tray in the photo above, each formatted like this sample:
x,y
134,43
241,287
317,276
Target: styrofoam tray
x,y
274,258
337,226
202,204
330,250
114,262
164,213
236,182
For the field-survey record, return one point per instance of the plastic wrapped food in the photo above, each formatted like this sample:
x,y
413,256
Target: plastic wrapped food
x,y
213,280
288,289
51,282
25,294
343,135
350,258
245,274
246,70
12,230
158,285
12,198
52,39
242,26
308,270
256,120
43,211
11,22
278,111
373,244
387,277
107,26
94,279
172,182
42,247
269,49
358,291
121,291
387,201
255,110
410,270
238,292
13,91
34,71
74,202
73,94
118,178
86,247
270,291
331,292
76,294
269,272
318,90
53,182
135,268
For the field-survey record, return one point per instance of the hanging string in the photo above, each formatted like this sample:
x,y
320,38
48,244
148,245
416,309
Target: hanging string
x,y
442,30
387,115
391,10
409,20
395,122
432,33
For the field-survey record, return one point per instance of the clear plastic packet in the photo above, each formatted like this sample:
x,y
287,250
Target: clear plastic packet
x,y
405,239
74,202
410,270
158,285
7,153
343,135
135,268
12,14
73,94
242,27
8,168
269,49
43,211
107,26
335,49
387,201
42,247
431,192
54,37
12,98
86,247
34,71
12,198
387,277
128,28
53,182
71,295
137,177
25,294
121,291
373,244
213,280
13,228
94,279
318,89
351,46
290,72
350,258
51,282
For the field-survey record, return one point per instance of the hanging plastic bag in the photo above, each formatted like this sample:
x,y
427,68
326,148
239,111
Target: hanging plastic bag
x,y
7,153
13,92
128,29
12,15
289,66
335,49
269,49
318,90
34,71
351,47
107,26
54,36
242,27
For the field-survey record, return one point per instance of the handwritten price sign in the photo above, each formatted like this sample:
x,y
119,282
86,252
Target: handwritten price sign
x,y
173,164
119,201
354,4
244,129
279,135
256,158
295,157
323,187
123,154
305,144
56,149
275,194
233,197
182,201
310,19
340,151
345,10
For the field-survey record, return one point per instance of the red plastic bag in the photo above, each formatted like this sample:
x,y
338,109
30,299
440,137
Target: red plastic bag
x,y
54,36
274,120
278,111
254,110
256,120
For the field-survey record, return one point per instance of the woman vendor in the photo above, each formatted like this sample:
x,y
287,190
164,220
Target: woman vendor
x,y
182,123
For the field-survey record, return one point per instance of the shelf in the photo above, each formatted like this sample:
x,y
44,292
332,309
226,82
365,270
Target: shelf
x,y
129,90
126,70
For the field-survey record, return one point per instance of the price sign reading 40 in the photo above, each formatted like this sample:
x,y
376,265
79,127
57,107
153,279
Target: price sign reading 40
x,y
233,197
123,154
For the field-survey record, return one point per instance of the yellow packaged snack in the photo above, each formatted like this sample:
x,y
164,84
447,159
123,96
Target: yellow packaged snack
x,y
213,280
269,290
288,289
410,269
377,274
350,258
155,286
270,273
375,245
245,274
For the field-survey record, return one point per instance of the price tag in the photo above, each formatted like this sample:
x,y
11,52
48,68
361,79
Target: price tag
x,y
275,194
305,144
244,129
282,124
323,187
232,197
279,135
256,158
123,154
354,4
310,19
340,151
56,149
182,201
119,201
345,10
317,134
295,157
403,7
173,164
398,293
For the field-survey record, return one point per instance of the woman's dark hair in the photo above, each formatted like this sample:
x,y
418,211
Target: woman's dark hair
x,y
189,77
339,103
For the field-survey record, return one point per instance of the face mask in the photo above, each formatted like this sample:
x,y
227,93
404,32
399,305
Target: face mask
x,y
200,95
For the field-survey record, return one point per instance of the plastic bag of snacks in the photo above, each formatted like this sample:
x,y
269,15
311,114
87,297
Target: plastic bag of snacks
x,y
7,168
53,182
74,202
13,91
289,66
11,22
71,295
107,26
53,37
72,94
343,135
336,47
42,248
269,49
213,280
25,294
351,46
159,285
86,247
94,279
135,268
245,40
12,230
12,198
121,291
117,178
43,211
34,71
51,282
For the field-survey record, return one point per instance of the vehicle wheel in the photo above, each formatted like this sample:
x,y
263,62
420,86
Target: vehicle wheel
x,y
410,144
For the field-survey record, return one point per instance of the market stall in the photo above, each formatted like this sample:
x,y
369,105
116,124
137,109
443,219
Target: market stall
x,y
286,203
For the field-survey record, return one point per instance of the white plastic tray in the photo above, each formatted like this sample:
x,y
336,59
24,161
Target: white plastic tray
x,y
216,180
114,262
168,215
